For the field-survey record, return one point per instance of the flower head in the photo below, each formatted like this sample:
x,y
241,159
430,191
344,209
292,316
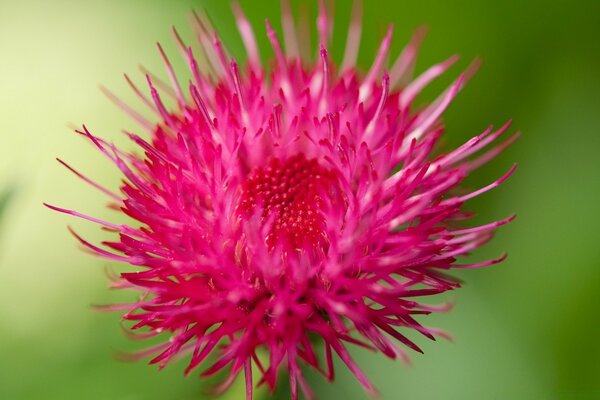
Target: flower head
x,y
280,215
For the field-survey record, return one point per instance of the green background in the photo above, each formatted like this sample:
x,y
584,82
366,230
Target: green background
x,y
526,329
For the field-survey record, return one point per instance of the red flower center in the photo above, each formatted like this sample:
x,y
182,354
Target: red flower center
x,y
290,193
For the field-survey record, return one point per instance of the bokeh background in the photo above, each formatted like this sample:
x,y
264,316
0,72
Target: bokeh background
x,y
526,329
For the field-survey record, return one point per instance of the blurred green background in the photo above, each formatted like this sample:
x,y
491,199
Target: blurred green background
x,y
527,329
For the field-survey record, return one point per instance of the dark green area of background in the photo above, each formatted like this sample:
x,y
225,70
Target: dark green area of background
x,y
527,329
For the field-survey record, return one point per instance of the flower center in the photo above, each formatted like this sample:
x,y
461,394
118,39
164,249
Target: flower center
x,y
290,193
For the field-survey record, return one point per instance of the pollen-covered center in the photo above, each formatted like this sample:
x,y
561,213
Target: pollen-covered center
x,y
290,193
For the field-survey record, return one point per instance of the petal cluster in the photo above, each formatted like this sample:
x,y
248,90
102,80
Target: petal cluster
x,y
282,213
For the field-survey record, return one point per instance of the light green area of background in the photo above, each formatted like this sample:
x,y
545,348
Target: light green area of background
x,y
527,329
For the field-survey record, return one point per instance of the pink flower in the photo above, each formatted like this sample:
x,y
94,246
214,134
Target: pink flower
x,y
281,213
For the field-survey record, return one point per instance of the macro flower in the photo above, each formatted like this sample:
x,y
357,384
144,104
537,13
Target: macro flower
x,y
281,213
